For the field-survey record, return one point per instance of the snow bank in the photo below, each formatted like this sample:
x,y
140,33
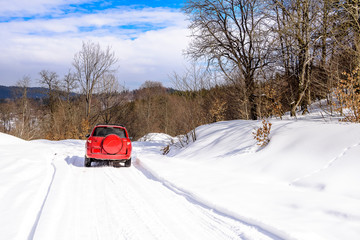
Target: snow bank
x,y
6,139
157,138
304,184
26,172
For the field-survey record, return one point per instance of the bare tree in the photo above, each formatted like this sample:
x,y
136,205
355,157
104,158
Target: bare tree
x,y
323,76
194,78
148,107
7,111
230,34
298,35
347,30
91,63
110,97
192,82
69,84
50,80
24,124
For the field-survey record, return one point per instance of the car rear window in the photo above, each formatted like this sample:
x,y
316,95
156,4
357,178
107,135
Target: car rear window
x,y
104,131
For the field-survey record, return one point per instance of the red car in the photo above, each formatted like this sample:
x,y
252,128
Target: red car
x,y
108,143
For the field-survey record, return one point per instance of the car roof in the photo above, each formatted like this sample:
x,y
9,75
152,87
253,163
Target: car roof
x,y
110,125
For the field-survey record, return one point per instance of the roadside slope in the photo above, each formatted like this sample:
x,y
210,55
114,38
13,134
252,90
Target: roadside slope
x,y
302,185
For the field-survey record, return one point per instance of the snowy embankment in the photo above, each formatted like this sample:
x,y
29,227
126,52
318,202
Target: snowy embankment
x,y
303,185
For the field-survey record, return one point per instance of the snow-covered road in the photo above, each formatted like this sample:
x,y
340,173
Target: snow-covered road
x,y
103,202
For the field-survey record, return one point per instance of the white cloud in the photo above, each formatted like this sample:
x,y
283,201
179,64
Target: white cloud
x,y
148,42
24,8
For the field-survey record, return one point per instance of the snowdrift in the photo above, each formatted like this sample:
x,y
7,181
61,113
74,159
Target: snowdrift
x,y
303,185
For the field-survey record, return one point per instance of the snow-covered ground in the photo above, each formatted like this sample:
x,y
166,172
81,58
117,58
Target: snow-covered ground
x,y
303,185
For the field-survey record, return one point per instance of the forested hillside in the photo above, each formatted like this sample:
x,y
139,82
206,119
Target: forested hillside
x,y
16,92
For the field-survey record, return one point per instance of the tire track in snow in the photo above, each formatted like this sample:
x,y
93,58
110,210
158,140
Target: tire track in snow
x,y
135,207
111,215
33,230
171,214
53,214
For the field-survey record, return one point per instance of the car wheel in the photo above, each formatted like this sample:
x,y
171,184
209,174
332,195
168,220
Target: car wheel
x,y
87,162
128,163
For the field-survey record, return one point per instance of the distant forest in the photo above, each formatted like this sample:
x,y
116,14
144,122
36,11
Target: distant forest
x,y
16,92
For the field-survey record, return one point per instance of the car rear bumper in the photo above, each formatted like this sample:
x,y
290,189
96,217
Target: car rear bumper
x,y
101,157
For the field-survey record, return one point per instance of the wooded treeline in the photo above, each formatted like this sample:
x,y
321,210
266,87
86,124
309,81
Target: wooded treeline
x,y
248,59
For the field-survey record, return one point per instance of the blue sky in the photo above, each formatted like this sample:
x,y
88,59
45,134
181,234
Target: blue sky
x,y
148,37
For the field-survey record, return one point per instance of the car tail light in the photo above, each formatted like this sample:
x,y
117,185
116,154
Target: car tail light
x,y
96,150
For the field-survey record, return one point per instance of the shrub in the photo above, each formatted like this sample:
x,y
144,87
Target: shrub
x,y
182,141
261,135
348,95
166,149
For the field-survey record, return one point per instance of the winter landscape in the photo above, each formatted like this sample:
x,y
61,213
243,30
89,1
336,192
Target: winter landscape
x,y
303,185
243,117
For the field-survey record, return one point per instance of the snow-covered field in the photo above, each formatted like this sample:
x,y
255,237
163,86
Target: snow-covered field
x,y
305,184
